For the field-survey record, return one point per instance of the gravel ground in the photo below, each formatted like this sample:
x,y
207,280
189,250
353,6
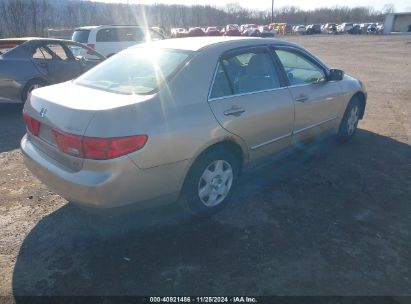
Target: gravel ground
x,y
330,220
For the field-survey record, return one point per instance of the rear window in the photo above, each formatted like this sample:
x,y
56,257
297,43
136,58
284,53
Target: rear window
x,y
120,34
135,71
81,36
7,46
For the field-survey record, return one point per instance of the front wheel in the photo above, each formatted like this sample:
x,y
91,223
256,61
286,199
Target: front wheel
x,y
350,120
210,182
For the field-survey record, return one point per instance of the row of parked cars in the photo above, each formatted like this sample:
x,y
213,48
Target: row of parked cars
x,y
343,28
249,30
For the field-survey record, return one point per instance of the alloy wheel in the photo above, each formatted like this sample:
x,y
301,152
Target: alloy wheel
x,y
215,183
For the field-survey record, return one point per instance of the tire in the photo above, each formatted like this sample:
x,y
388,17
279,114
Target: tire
x,y
210,182
30,86
350,120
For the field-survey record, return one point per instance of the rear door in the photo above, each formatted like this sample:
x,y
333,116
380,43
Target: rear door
x,y
55,63
249,99
316,99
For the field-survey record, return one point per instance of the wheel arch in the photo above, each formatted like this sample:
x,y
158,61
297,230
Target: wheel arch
x,y
362,98
30,81
232,144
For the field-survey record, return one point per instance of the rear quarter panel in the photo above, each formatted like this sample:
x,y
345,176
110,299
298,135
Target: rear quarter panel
x,y
14,74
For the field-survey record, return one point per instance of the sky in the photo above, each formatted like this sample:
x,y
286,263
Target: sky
x,y
400,5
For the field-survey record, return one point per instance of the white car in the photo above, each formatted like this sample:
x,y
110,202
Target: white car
x,y
299,29
111,39
345,27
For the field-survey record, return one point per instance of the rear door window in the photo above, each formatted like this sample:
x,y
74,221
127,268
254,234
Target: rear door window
x,y
247,72
81,36
120,34
50,51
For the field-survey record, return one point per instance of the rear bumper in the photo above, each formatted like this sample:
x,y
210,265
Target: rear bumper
x,y
106,184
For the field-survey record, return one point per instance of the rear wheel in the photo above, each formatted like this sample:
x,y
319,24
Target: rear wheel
x,y
350,120
30,86
210,182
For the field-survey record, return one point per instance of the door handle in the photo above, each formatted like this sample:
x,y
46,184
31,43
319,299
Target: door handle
x,y
302,98
234,111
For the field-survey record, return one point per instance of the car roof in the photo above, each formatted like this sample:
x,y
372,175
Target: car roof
x,y
91,27
198,43
23,39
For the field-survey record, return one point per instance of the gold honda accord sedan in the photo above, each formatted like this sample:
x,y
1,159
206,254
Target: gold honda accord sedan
x,y
180,119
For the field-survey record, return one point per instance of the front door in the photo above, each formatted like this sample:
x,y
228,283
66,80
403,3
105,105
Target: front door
x,y
316,99
249,100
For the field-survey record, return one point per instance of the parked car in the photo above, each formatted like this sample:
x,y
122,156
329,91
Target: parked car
x,y
355,30
182,118
29,63
212,31
179,33
195,32
313,29
344,27
111,39
372,29
232,30
251,31
380,28
266,31
160,30
364,28
300,29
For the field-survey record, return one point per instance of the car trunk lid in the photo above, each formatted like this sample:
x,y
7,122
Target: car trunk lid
x,y
68,108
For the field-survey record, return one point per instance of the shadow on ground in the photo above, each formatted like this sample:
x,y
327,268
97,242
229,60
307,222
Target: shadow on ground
x,y
331,220
12,127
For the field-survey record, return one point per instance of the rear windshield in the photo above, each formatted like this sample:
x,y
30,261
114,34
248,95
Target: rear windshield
x,y
7,46
80,36
135,71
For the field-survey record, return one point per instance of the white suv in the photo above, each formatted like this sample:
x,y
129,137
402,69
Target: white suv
x,y
111,39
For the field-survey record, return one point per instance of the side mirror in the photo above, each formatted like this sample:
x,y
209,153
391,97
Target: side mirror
x,y
335,75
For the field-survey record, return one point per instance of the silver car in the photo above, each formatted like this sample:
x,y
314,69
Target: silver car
x,y
180,119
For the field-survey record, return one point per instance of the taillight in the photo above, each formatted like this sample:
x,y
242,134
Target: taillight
x,y
33,125
98,148
91,46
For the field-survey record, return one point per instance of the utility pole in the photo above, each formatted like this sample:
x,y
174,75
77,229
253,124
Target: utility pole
x,y
272,11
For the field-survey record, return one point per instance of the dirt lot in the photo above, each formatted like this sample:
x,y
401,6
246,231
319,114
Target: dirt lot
x,y
331,220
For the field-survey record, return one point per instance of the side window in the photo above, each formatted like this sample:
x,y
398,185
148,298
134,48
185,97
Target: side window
x,y
221,86
41,53
79,51
154,35
251,71
299,69
130,34
106,35
57,51
120,34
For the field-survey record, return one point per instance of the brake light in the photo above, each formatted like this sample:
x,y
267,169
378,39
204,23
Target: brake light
x,y
98,148
91,46
33,125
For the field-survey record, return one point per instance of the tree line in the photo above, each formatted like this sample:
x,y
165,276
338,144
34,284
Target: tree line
x,y
33,17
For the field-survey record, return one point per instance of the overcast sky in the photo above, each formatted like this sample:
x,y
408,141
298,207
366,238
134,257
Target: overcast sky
x,y
400,5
